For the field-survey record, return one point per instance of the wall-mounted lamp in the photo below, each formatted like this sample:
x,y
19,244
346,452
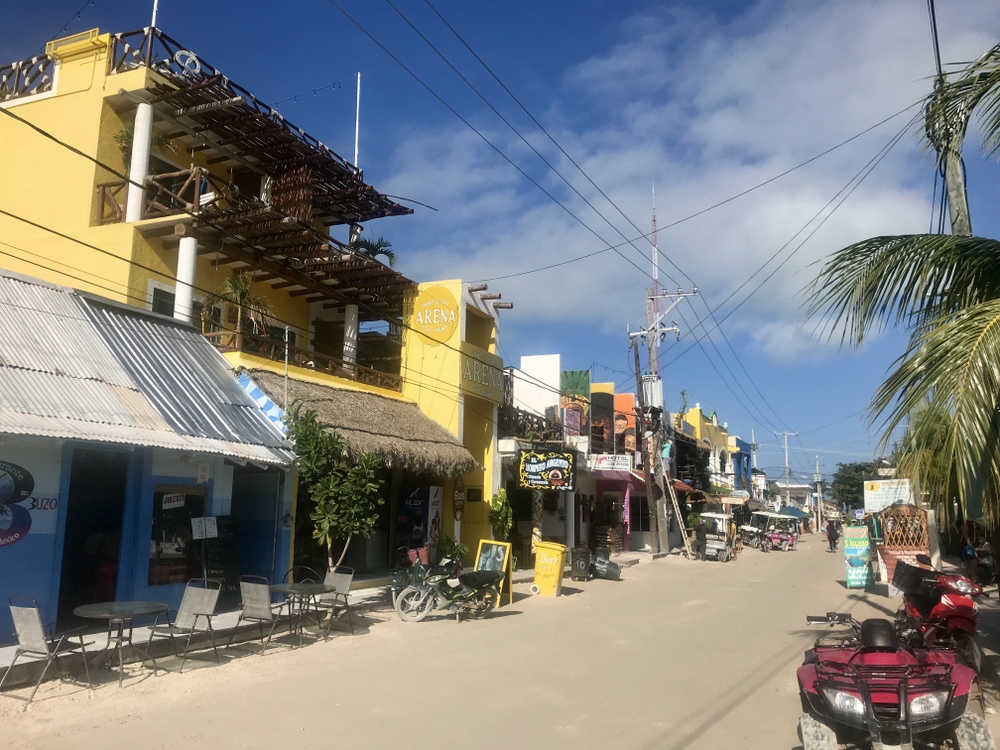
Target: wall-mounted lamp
x,y
478,288
503,305
485,297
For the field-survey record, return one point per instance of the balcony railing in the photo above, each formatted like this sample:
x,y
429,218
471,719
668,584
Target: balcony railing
x,y
517,423
188,191
273,349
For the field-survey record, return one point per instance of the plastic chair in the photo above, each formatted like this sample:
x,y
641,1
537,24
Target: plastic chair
x,y
336,603
199,601
32,641
256,594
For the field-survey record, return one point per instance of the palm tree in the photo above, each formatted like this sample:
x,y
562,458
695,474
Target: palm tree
x,y
373,248
237,290
945,291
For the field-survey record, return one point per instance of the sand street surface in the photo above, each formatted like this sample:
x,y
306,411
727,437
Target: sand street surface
x,y
677,655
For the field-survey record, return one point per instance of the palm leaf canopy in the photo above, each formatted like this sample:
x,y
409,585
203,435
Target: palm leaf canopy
x,y
903,280
949,108
952,367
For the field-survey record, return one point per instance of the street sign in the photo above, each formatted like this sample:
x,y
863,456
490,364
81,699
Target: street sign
x,y
859,513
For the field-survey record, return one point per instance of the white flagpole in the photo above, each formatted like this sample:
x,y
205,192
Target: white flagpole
x,y
156,7
357,120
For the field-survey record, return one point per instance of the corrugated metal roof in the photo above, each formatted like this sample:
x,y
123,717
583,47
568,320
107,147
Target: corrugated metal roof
x,y
75,367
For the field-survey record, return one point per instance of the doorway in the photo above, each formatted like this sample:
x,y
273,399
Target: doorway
x,y
92,542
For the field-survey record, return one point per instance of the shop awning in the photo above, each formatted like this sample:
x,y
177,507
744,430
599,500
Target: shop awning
x,y
794,512
682,486
395,430
95,370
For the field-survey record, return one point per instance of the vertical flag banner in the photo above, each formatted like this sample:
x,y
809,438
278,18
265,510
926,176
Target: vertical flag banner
x,y
857,555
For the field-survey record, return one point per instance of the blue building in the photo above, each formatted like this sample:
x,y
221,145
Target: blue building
x,y
120,430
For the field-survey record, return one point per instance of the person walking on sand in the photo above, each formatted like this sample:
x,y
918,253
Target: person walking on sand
x,y
832,535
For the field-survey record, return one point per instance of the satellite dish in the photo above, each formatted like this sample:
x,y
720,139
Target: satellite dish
x,y
188,62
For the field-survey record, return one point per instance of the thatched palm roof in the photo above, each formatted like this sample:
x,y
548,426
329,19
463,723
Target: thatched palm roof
x,y
397,431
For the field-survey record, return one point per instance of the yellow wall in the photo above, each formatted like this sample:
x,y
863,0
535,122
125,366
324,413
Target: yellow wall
x,y
704,429
47,183
432,371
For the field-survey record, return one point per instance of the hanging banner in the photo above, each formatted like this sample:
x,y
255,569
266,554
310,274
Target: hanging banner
x,y
857,555
549,470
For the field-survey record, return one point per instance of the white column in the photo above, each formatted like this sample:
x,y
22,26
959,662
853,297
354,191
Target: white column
x,y
350,335
187,254
142,135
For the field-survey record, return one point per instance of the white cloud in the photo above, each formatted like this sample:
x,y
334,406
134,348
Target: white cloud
x,y
708,109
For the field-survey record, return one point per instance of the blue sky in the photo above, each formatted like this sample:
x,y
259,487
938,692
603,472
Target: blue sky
x,y
706,99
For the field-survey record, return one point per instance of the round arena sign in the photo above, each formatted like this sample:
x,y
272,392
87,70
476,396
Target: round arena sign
x,y
435,315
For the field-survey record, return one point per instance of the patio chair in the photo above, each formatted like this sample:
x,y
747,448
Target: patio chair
x,y
257,607
201,595
336,603
32,641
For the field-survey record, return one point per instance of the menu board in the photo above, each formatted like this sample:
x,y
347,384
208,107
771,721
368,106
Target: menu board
x,y
222,562
493,555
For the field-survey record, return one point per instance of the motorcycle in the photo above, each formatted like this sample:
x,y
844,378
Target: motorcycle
x,y
863,689
476,593
937,607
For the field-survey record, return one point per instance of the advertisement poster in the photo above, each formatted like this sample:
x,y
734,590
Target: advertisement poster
x,y
881,493
857,555
602,408
435,503
575,400
550,470
411,521
625,423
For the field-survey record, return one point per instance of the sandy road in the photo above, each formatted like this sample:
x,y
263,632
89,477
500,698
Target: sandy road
x,y
678,655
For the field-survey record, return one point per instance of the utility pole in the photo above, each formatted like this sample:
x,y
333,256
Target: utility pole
x,y
646,449
788,481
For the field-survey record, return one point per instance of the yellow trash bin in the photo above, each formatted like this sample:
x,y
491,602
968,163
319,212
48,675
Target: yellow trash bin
x,y
550,560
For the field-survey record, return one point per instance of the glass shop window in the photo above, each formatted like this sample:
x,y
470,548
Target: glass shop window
x,y
174,555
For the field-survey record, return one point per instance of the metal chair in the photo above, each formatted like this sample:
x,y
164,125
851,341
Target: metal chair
x,y
199,601
257,607
32,641
337,603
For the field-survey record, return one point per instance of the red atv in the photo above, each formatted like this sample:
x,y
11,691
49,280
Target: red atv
x,y
938,608
862,689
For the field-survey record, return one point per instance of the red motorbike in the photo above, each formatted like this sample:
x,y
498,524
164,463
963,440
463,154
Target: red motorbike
x,y
937,607
863,689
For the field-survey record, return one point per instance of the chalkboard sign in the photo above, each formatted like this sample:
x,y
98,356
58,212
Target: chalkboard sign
x,y
221,563
496,556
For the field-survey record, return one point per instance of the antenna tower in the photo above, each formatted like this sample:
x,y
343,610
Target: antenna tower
x,y
654,366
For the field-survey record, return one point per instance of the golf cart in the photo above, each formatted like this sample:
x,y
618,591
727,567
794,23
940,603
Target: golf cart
x,y
778,531
717,541
752,536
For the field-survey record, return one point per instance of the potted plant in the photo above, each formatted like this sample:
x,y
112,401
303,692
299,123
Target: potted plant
x,y
501,516
448,547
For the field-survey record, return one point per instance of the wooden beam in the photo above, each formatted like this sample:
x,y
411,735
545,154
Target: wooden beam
x,y
285,285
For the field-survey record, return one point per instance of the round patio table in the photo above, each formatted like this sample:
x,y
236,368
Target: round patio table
x,y
120,616
300,595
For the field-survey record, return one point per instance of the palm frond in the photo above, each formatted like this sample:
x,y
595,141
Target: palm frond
x,y
951,105
952,364
903,281
374,248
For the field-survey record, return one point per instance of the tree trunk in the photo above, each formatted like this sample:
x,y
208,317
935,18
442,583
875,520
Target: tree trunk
x,y
954,179
343,552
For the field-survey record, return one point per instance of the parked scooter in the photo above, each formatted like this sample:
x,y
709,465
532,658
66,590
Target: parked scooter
x,y
938,608
863,689
476,593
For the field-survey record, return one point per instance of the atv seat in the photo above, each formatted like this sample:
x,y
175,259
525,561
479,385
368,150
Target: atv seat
x,y
878,635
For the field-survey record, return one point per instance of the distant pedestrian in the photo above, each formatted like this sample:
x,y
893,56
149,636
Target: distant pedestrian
x,y
832,535
700,539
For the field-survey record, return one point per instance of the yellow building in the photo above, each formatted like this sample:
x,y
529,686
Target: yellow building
x,y
707,431
136,171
